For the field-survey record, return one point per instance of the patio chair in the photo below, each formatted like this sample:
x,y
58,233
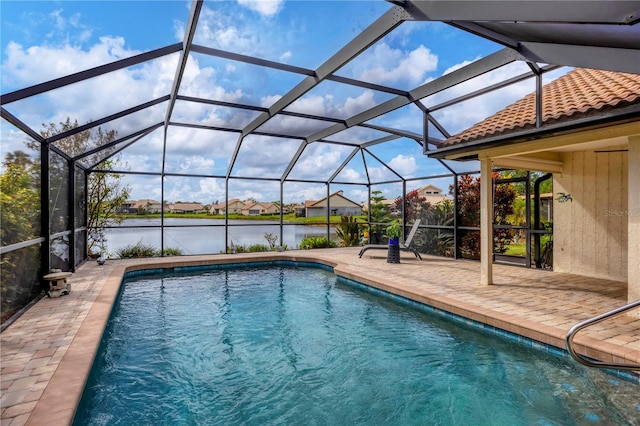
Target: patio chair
x,y
407,245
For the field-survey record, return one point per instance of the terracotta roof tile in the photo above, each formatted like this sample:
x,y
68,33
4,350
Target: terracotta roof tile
x,y
579,93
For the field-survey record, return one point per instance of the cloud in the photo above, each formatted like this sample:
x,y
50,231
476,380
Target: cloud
x,y
404,165
285,56
383,64
463,115
356,105
24,66
262,156
263,7
319,160
350,175
232,29
66,29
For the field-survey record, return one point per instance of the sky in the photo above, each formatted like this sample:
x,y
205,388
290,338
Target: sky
x,y
44,40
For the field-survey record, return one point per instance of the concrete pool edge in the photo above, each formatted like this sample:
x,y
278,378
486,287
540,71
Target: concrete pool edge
x,y
545,334
60,399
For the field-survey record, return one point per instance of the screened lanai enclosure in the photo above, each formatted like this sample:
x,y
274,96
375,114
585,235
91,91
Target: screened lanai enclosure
x,y
235,118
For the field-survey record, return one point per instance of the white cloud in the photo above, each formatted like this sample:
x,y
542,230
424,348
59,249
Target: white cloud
x,y
263,7
358,104
384,64
319,160
234,33
285,56
351,175
24,66
211,190
261,156
405,165
463,115
196,164
267,101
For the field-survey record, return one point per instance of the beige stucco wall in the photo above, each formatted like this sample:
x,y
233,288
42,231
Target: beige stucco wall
x,y
336,201
590,232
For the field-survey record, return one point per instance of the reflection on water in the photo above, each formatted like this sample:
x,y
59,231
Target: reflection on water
x,y
205,238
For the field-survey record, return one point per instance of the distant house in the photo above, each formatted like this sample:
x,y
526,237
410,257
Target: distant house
x,y
234,206
300,210
149,206
338,203
432,193
127,208
186,208
256,209
140,206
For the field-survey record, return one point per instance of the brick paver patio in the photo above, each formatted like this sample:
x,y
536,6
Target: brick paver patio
x,y
46,354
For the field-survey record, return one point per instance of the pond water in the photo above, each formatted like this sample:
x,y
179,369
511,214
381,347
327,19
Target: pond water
x,y
205,236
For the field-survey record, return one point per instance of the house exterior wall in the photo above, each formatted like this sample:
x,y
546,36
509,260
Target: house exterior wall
x,y
271,209
590,232
337,211
235,207
340,206
336,202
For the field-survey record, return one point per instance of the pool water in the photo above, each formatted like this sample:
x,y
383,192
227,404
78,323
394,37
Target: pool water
x,y
299,346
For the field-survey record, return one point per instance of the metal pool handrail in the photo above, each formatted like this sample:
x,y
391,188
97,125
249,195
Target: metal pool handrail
x,y
599,364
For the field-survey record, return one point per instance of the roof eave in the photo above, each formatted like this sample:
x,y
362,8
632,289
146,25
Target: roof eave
x,y
469,150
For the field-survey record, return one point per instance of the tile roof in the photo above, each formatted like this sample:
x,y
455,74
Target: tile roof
x,y
579,93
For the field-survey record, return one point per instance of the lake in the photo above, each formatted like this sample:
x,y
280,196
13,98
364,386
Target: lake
x,y
205,236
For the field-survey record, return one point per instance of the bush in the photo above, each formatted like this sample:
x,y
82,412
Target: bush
x,y
316,242
348,231
136,251
172,251
271,239
254,248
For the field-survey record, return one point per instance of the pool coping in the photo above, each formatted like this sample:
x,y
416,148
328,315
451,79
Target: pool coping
x,y
59,401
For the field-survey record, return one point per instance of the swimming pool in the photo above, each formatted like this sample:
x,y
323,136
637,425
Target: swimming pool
x,y
297,345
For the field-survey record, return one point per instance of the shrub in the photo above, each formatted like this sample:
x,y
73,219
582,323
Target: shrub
x,y
348,231
172,251
136,251
316,242
271,239
254,248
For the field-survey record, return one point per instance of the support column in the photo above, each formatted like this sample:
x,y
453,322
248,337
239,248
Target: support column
x,y
633,218
486,222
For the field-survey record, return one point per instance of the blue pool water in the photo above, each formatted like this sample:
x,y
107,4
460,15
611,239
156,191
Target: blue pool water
x,y
298,346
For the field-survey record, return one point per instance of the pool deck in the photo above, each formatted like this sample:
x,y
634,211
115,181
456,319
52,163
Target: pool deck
x,y
46,354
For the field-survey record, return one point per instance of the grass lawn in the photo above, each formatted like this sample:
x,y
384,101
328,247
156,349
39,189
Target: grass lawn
x,y
517,249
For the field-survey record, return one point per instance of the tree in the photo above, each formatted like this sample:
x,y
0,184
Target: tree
x,y
105,192
105,196
416,205
379,215
20,210
469,214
